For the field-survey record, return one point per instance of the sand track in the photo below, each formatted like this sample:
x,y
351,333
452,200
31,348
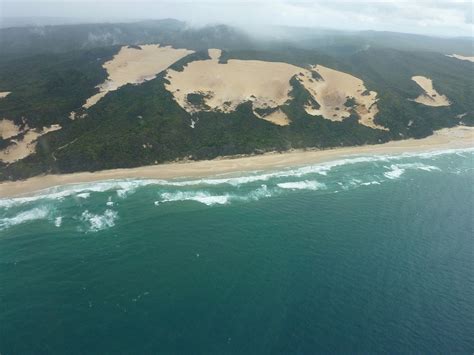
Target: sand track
x,y
431,97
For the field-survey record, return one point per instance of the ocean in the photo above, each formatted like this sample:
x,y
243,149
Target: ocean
x,y
363,254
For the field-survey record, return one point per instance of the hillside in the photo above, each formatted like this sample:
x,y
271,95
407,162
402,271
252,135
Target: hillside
x,y
99,96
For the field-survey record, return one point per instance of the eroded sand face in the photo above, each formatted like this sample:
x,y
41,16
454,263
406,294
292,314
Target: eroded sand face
x,y
333,90
461,57
431,97
24,147
277,117
8,129
135,66
267,85
4,94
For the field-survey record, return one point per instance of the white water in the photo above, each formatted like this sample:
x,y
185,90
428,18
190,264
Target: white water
x,y
330,177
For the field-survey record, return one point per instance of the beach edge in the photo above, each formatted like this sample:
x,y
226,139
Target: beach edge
x,y
459,137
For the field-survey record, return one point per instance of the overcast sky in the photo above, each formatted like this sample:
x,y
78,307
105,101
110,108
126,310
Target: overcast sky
x,y
445,18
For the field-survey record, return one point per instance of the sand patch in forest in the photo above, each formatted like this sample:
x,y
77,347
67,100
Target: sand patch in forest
x,y
135,65
430,97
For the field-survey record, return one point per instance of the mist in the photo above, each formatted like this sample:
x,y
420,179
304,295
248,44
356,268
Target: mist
x,y
438,18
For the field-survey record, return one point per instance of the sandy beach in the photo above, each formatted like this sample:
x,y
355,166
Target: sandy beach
x,y
449,138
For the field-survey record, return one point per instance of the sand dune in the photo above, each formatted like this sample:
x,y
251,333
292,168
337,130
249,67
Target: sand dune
x,y
333,89
134,66
267,85
431,97
24,147
8,129
4,94
461,57
226,86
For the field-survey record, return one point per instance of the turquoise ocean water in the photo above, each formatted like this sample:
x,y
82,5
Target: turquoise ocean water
x,y
364,254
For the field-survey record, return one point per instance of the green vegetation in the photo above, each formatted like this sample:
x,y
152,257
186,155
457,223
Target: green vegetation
x,y
142,124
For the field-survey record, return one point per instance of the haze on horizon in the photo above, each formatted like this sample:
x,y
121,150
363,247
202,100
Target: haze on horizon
x,y
430,17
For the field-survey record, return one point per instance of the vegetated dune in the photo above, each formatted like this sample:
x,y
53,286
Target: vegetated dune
x,y
4,94
135,65
339,94
23,147
431,97
222,87
461,57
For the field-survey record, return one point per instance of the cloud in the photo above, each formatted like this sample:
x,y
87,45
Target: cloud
x,y
434,17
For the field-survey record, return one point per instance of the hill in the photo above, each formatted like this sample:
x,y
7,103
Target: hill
x,y
183,102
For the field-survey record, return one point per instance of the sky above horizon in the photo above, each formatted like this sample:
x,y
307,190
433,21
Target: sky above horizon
x,y
431,17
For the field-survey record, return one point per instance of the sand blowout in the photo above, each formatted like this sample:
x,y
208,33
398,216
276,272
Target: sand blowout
x,y
135,65
222,87
24,145
430,97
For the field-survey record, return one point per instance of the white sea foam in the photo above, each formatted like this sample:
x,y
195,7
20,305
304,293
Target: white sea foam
x,y
370,183
24,217
398,170
209,199
302,185
198,196
84,195
58,221
125,187
320,168
61,192
99,222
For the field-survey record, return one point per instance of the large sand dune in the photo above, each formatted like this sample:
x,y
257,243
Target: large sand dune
x,y
461,57
226,86
23,147
267,85
338,94
135,65
431,97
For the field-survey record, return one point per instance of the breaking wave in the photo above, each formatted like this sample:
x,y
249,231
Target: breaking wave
x,y
323,178
24,217
97,222
302,185
397,170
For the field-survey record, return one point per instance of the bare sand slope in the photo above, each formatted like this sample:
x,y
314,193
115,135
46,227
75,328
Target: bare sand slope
x,y
267,85
226,86
277,117
8,129
4,94
461,57
332,89
448,138
23,147
431,97
134,66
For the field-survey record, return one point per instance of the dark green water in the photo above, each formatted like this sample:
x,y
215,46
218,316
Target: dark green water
x,y
363,255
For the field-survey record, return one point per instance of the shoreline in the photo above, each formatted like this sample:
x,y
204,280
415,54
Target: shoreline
x,y
448,138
